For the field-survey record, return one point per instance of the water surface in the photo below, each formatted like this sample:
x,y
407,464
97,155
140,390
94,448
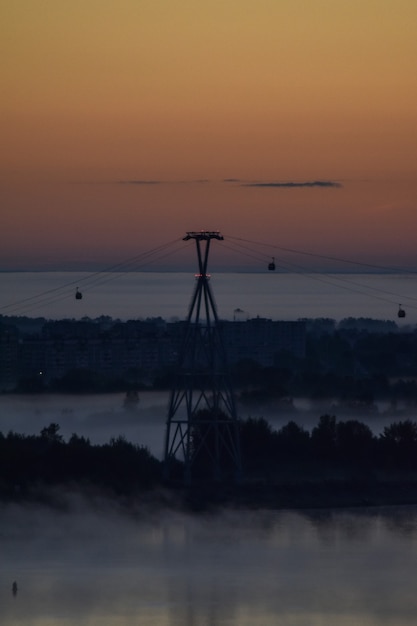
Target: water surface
x,y
275,295
97,565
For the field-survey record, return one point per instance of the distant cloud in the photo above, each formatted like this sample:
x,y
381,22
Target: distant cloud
x,y
139,182
292,184
237,181
197,181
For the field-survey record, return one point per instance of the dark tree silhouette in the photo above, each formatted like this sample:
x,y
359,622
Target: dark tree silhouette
x,y
399,444
293,443
323,438
355,442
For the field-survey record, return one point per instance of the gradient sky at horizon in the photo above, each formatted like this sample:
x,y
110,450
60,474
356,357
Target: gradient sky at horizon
x,y
125,124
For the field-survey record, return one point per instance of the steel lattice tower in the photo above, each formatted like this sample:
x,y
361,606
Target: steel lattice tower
x,y
202,426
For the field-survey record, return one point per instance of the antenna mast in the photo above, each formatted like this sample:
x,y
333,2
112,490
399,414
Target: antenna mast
x,y
202,426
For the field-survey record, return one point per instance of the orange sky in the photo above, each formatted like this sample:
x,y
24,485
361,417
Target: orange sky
x,y
95,92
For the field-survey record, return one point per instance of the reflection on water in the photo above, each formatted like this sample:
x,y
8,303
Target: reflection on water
x,y
97,565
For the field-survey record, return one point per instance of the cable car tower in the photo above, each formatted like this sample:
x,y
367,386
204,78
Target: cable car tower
x,y
202,426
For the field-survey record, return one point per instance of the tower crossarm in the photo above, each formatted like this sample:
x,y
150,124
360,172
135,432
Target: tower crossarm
x,y
203,235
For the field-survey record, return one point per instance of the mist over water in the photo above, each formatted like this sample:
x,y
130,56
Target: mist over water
x,y
101,417
92,563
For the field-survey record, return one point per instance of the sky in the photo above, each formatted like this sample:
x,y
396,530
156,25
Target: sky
x,y
125,124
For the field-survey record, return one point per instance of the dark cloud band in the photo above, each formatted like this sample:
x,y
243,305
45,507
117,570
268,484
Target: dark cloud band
x,y
242,183
291,184
139,182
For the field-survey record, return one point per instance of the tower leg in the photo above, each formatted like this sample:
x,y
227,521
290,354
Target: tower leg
x,y
202,427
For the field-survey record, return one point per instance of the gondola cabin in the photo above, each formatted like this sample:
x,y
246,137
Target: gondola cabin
x,y
401,312
78,294
271,265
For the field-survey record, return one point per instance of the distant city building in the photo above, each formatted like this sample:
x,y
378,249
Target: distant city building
x,y
262,340
131,349
9,347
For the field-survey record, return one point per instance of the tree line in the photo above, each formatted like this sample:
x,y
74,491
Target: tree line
x,y
28,461
122,468
331,445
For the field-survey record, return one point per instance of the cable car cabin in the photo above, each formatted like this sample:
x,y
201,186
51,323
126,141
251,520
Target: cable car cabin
x,y
271,266
78,295
401,312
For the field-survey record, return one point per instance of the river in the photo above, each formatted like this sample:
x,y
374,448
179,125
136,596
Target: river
x,y
96,565
91,563
274,295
